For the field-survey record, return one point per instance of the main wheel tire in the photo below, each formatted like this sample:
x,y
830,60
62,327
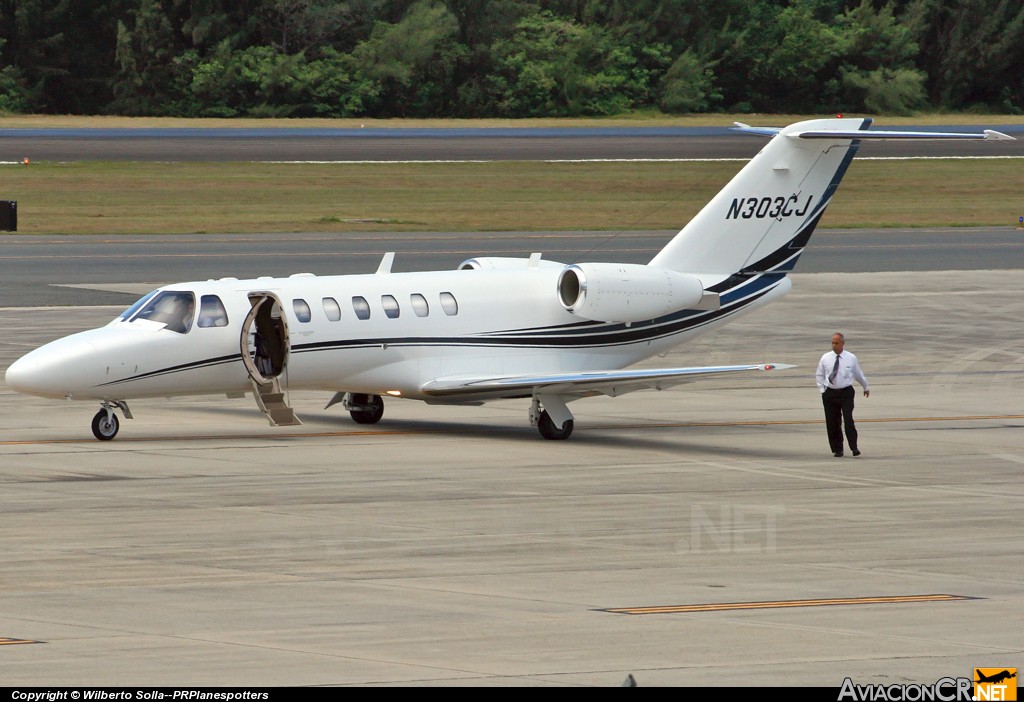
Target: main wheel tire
x,y
105,426
548,430
370,412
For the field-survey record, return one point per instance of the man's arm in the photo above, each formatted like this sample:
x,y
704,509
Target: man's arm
x,y
859,376
819,375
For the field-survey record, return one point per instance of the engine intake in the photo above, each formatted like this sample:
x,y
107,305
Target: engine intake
x,y
624,292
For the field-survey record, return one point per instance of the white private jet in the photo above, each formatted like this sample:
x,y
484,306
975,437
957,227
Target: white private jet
x,y
494,328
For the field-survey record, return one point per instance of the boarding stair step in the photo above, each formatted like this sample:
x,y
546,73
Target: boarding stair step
x,y
272,402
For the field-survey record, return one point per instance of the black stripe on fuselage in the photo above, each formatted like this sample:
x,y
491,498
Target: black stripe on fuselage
x,y
602,334
563,336
183,367
589,335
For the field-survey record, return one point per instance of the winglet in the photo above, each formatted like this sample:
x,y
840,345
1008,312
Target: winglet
x,y
998,136
777,366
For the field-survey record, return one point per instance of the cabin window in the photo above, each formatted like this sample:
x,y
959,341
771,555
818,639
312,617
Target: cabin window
x,y
302,311
449,304
390,305
361,307
175,309
332,309
212,312
419,305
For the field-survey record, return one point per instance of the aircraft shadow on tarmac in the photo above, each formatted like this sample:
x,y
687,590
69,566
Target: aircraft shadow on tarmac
x,y
632,435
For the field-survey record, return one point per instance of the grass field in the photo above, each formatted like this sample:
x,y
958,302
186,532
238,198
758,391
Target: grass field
x,y
141,198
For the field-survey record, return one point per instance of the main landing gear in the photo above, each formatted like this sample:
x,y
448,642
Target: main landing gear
x,y
546,427
365,409
106,424
555,421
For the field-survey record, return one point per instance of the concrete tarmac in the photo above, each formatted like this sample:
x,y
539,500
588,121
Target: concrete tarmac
x,y
455,547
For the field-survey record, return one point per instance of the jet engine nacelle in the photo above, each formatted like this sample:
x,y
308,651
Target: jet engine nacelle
x,y
501,263
625,292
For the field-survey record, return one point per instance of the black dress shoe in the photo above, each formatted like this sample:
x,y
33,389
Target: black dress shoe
x,y
838,454
856,452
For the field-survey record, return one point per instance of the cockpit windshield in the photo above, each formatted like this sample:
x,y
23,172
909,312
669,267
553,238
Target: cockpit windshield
x,y
127,314
175,309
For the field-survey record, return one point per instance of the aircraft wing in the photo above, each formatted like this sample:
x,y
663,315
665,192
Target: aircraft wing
x,y
580,384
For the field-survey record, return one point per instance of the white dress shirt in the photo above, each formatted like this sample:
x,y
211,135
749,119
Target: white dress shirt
x,y
849,370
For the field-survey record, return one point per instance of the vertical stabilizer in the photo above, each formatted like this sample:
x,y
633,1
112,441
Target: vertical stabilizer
x,y
763,218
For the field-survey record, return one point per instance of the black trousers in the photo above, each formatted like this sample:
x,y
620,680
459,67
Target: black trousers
x,y
839,416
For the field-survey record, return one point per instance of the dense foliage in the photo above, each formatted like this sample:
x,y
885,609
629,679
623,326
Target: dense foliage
x,y
508,58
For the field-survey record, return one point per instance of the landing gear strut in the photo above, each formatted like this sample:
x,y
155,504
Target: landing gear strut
x,y
106,424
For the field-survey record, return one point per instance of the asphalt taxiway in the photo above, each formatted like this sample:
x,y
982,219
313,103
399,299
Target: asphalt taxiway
x,y
700,536
446,144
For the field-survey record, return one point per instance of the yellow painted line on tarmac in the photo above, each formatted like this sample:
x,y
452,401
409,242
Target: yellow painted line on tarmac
x,y
451,428
779,604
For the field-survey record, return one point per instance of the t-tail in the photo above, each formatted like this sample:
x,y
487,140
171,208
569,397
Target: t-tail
x,y
762,220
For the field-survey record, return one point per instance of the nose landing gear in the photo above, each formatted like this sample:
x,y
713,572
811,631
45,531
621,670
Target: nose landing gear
x,y
105,424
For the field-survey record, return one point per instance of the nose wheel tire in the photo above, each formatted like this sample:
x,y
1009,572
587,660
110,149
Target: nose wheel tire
x,y
105,425
548,430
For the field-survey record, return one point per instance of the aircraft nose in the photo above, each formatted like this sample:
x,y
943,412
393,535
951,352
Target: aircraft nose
x,y
24,375
50,371
19,375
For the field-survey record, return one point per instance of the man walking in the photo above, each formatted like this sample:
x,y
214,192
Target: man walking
x,y
836,372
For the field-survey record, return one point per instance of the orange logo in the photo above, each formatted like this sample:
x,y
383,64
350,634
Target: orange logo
x,y
995,684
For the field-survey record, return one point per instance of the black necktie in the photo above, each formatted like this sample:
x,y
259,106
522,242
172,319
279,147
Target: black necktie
x,y
835,369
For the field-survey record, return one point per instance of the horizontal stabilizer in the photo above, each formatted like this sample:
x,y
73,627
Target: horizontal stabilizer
x,y
877,134
757,131
612,382
881,135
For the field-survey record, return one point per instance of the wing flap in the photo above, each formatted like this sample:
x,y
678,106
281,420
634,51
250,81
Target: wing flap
x,y
582,384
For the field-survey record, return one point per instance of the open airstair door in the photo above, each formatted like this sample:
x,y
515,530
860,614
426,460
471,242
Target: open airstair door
x,y
264,345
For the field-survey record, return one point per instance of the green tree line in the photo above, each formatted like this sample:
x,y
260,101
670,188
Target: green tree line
x,y
508,58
